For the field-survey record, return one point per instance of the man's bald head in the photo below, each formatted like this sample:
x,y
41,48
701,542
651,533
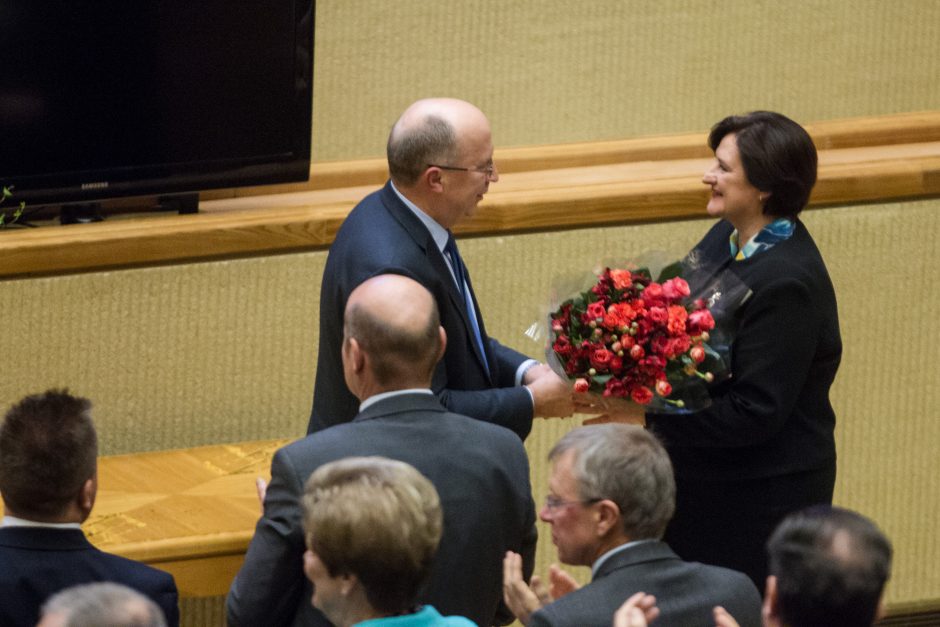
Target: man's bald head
x,y
430,131
395,323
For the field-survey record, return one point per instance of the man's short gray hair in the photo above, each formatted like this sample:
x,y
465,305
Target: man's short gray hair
x,y
627,465
104,604
410,150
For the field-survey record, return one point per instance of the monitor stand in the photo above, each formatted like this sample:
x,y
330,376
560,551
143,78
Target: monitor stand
x,y
80,213
181,203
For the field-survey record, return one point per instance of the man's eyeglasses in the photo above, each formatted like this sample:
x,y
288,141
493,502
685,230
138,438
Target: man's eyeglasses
x,y
553,502
487,170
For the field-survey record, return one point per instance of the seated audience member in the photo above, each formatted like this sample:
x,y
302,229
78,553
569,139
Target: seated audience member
x,y
611,494
392,341
372,526
48,481
103,604
828,566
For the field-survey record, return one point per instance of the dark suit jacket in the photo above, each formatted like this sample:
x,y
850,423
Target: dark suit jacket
x,y
381,235
685,592
773,417
770,427
480,471
37,562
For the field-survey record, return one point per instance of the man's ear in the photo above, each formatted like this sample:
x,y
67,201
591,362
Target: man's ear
x,y
357,357
87,495
769,611
443,335
608,517
432,178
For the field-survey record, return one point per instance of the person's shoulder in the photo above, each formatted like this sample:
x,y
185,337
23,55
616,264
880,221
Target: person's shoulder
x,y
137,574
491,434
728,580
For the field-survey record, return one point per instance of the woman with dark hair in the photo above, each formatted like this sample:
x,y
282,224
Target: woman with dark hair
x,y
765,446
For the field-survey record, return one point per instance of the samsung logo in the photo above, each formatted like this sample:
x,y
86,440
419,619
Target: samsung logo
x,y
97,185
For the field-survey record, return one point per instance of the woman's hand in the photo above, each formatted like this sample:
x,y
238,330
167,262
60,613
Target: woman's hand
x,y
608,409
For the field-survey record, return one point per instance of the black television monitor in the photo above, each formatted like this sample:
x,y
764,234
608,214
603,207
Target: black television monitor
x,y
103,99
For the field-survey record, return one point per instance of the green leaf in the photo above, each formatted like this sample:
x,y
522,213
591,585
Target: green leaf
x,y
670,272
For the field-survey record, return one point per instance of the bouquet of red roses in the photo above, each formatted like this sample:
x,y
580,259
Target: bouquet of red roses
x,y
634,338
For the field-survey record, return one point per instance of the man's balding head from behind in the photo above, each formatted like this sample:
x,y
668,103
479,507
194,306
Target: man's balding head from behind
x,y
393,338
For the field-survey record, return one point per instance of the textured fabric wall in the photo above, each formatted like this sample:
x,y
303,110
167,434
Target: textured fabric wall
x,y
225,351
551,71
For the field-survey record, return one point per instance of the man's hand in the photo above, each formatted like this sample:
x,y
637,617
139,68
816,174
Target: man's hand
x,y
551,393
637,611
520,598
723,618
609,409
560,582
262,487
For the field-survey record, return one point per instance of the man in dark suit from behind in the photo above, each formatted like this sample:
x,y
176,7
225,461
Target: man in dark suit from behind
x,y
611,494
392,341
48,480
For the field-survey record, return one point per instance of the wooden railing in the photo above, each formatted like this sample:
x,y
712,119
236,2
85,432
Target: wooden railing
x,y
540,187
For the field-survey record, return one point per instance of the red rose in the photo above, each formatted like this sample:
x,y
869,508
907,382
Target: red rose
x,y
641,394
596,310
663,388
701,320
581,385
616,365
659,344
659,315
697,354
676,289
622,279
600,359
677,318
653,294
615,388
563,346
679,345
637,352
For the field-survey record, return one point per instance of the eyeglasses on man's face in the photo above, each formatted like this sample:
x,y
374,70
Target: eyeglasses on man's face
x,y
488,170
553,503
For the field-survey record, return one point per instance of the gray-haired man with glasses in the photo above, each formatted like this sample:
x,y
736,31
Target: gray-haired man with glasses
x,y
611,493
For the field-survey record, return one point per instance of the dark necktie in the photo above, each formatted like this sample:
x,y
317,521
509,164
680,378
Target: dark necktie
x,y
460,273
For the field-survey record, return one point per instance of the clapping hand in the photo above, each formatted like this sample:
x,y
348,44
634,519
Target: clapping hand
x,y
637,611
524,599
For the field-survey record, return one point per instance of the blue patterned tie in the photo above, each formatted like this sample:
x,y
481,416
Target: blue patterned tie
x,y
461,274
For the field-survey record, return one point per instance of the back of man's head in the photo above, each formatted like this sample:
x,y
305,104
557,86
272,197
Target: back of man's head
x,y
394,320
627,465
102,604
830,566
48,450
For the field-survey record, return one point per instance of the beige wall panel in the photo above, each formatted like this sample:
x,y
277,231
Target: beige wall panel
x,y
225,351
551,71
172,356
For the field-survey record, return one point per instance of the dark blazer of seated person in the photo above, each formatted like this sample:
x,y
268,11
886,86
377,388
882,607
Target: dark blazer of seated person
x,y
48,452
393,339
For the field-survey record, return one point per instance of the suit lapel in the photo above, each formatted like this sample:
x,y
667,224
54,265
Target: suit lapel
x,y
422,237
